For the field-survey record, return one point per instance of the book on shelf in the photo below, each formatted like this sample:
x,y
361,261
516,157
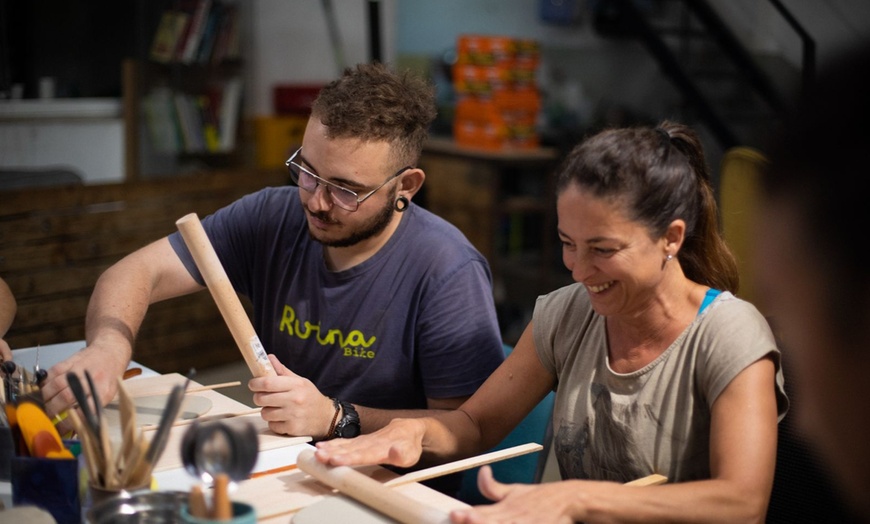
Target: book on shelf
x,y
197,32
209,34
161,121
226,45
208,107
231,101
169,31
198,22
189,130
197,123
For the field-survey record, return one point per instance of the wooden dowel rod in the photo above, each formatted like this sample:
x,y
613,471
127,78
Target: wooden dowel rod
x,y
650,480
224,295
198,389
461,465
188,421
214,386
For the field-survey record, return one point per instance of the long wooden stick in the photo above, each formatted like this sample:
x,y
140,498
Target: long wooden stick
x,y
197,389
214,386
206,418
224,295
435,471
650,480
461,465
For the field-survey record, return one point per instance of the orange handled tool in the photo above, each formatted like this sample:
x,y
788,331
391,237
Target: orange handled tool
x,y
39,433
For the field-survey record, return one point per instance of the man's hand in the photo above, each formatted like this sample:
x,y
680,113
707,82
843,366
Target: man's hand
x,y
105,366
5,350
292,405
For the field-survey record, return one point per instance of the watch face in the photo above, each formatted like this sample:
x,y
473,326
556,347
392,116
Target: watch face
x,y
348,431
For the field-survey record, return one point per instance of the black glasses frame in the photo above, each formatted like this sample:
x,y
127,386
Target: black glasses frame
x,y
351,205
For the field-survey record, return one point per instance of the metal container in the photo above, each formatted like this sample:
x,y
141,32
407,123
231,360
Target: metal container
x,y
153,507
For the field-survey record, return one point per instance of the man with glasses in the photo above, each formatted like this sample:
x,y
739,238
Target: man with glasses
x,y
369,306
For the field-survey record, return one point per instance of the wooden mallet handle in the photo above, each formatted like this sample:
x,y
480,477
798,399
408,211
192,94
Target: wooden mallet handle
x,y
370,492
224,295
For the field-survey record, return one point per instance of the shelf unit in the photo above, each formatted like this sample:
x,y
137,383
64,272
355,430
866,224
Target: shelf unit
x,y
144,158
185,113
504,203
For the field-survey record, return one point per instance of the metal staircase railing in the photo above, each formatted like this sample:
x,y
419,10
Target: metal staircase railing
x,y
759,101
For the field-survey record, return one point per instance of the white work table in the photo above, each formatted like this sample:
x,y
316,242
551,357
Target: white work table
x,y
277,488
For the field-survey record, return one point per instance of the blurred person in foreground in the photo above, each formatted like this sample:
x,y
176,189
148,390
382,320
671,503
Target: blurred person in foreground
x,y
812,267
369,306
658,367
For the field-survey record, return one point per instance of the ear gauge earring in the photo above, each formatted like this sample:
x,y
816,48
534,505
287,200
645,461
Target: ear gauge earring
x,y
402,204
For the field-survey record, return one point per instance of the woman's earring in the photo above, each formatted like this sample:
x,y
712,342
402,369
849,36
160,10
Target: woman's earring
x,y
669,257
402,204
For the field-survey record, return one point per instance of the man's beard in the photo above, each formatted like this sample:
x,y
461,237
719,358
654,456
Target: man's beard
x,y
373,227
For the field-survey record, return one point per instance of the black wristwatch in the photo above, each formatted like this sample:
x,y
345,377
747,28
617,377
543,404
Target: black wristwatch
x,y
348,426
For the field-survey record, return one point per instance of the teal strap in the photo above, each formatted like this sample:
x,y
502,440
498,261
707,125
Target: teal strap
x,y
708,298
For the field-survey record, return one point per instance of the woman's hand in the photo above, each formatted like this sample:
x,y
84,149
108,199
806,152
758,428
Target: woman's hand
x,y
519,503
399,443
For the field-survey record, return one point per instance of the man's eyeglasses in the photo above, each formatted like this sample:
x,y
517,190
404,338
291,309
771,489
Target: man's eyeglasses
x,y
341,196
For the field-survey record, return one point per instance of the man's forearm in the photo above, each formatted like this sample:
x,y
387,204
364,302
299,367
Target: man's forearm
x,y
116,311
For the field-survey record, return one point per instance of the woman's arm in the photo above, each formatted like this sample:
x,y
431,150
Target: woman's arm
x,y
507,396
742,460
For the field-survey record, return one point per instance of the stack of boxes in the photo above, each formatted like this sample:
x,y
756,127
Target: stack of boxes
x,y
497,98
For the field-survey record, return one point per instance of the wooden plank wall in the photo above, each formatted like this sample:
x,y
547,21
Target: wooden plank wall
x,y
55,243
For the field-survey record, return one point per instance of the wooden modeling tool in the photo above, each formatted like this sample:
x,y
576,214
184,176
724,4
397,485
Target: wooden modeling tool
x,y
222,506
224,295
196,504
650,480
464,464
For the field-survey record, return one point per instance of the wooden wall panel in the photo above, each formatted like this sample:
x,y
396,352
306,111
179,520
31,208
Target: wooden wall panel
x,y
55,242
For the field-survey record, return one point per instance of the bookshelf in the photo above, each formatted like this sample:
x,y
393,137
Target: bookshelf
x,y
183,93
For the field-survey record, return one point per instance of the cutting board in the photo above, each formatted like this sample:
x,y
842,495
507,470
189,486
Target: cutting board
x,y
149,409
221,405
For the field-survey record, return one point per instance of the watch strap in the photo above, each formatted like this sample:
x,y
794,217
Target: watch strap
x,y
337,404
349,425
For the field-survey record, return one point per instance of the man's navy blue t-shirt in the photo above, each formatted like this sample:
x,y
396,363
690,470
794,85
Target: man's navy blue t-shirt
x,y
415,320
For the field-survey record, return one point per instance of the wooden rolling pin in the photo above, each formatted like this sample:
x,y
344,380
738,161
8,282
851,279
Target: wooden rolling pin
x,y
224,295
370,492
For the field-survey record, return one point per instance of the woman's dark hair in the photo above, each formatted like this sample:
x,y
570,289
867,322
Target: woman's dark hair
x,y
660,174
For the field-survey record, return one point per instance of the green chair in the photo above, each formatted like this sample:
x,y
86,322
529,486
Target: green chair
x,y
527,469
